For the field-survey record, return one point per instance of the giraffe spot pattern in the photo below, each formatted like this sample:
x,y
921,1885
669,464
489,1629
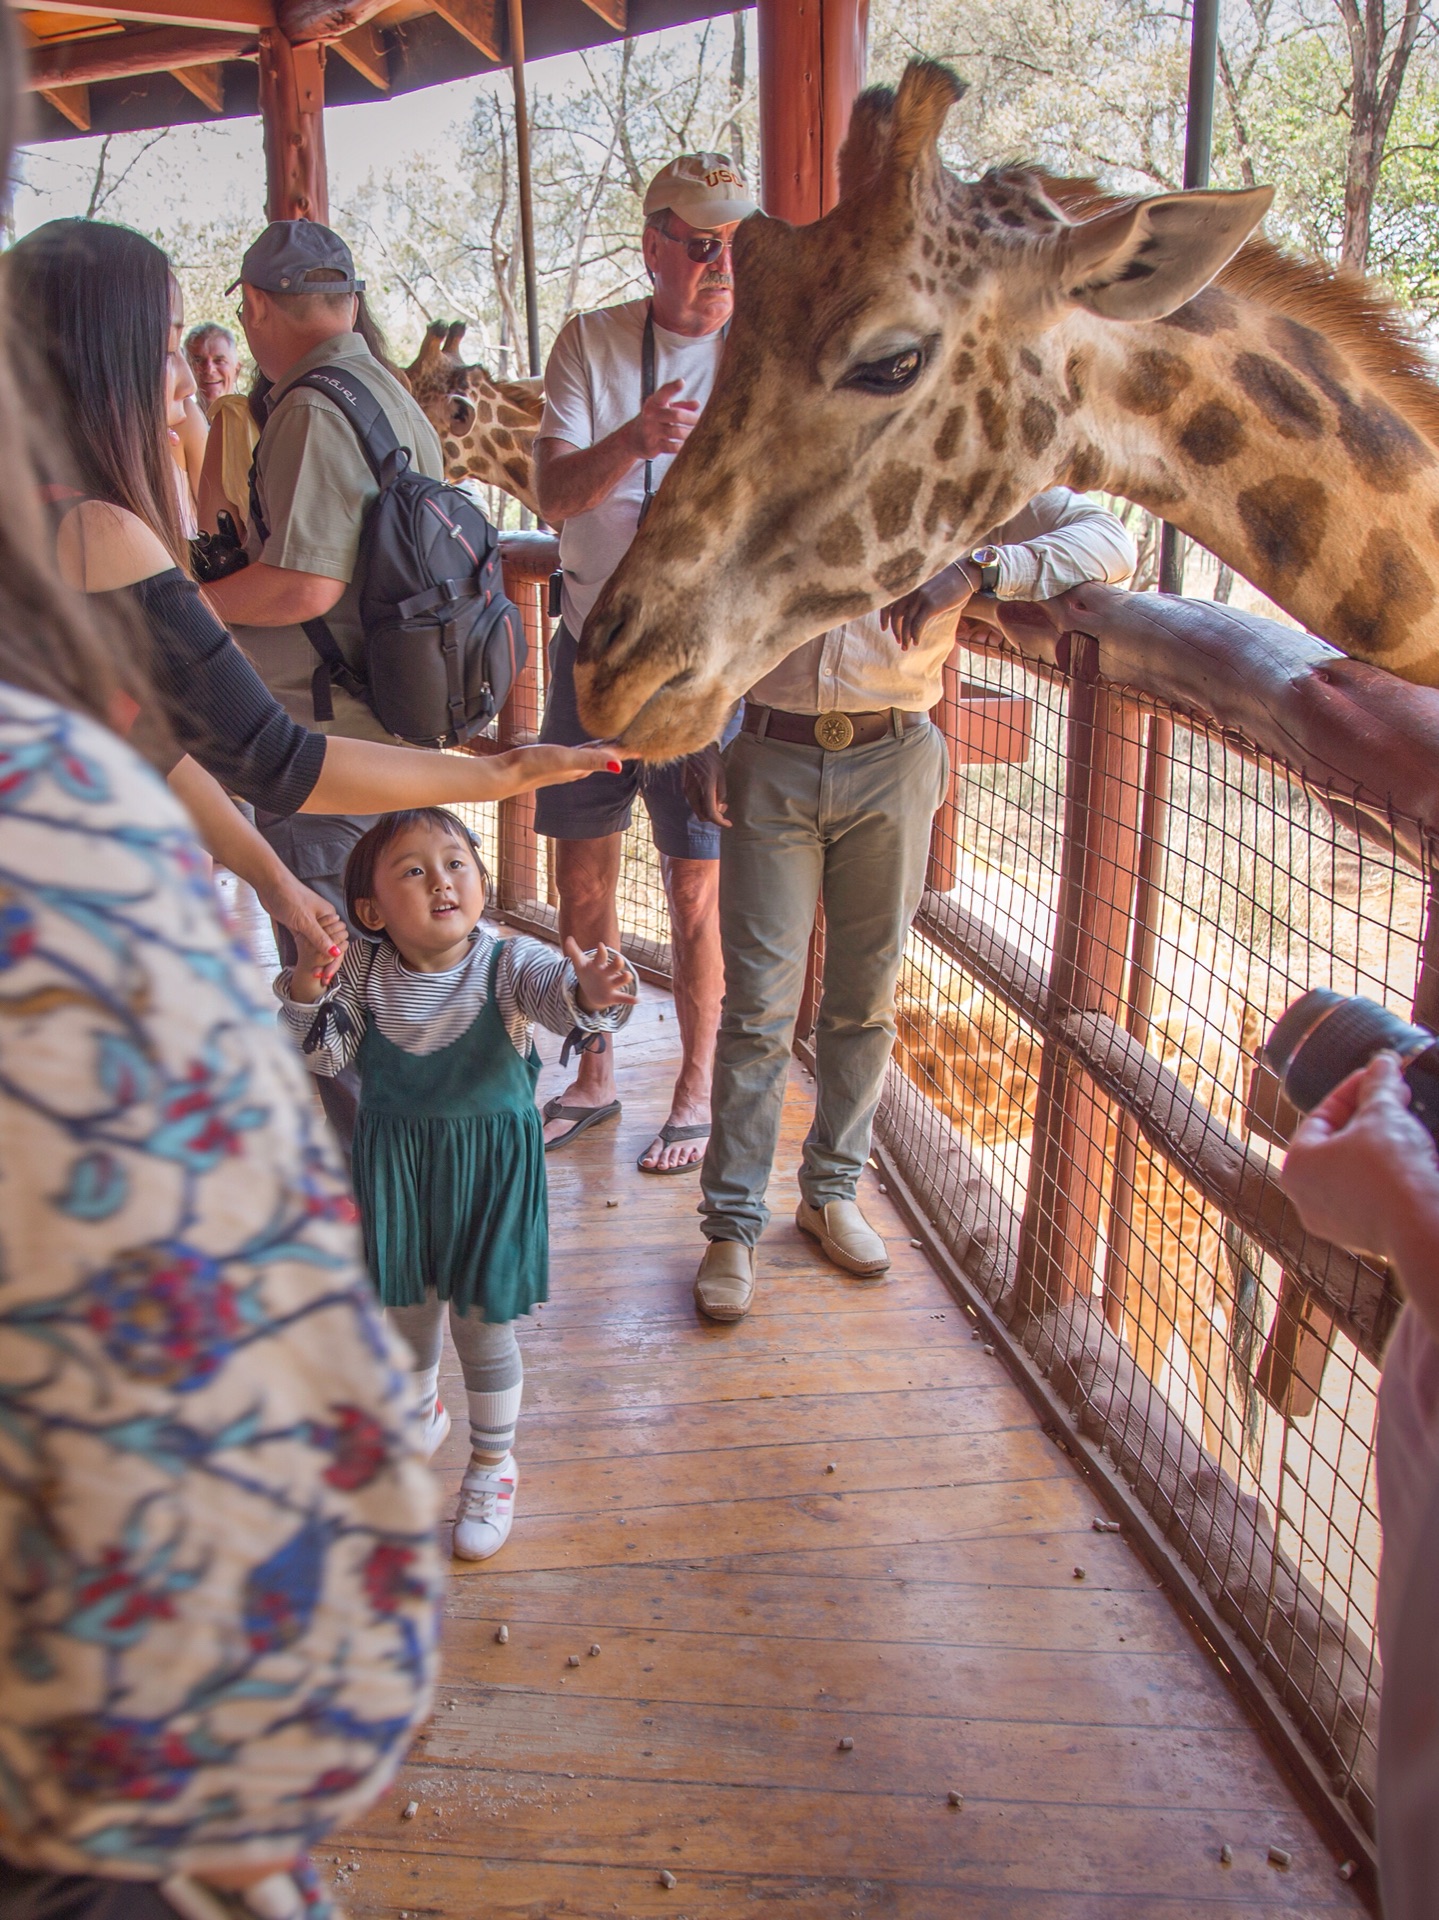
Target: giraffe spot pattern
x,y
1286,402
1212,434
452,451
1086,468
504,441
963,367
952,502
892,496
901,573
1388,592
1385,448
947,440
1037,425
1031,362
993,417
1152,381
839,540
826,608
1075,368
1283,521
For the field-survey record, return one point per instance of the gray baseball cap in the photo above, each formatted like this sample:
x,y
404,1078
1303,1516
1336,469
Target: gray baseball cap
x,y
289,251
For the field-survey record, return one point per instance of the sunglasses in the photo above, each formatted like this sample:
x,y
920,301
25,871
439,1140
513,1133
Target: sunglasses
x,y
702,248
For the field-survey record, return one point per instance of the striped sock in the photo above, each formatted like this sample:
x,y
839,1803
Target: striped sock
x,y
493,1417
427,1388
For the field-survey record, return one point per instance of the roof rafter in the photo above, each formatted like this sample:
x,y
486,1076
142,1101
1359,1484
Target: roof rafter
x,y
220,14
116,57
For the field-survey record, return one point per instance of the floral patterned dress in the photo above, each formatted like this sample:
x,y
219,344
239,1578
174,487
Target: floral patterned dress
x,y
217,1578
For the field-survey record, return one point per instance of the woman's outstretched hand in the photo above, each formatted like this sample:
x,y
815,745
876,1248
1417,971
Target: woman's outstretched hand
x,y
320,933
522,769
603,977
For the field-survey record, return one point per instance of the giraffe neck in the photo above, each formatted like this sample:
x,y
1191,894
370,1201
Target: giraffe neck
x,y
1272,447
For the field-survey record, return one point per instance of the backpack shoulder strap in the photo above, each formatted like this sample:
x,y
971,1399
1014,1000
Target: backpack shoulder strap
x,y
363,411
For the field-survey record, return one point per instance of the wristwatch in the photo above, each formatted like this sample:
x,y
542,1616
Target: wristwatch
x,y
987,560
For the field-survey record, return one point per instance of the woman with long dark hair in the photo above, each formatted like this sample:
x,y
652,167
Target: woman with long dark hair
x,y
217,1617
100,307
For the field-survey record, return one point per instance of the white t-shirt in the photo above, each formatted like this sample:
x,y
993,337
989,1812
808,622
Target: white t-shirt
x,y
593,384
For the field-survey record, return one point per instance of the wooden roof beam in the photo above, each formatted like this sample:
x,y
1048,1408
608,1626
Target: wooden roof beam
x,y
364,49
612,12
73,102
478,21
303,21
207,83
166,50
222,15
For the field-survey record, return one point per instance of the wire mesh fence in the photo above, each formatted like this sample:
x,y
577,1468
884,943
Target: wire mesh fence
x,y
1123,899
1123,895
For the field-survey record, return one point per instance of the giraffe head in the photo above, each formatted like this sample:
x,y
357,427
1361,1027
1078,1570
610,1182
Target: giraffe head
x,y
899,378
487,427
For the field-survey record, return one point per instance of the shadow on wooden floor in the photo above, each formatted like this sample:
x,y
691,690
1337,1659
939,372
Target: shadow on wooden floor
x,y
838,1521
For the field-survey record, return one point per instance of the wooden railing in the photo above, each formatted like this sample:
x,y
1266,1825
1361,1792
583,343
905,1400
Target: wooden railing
x,y
1128,737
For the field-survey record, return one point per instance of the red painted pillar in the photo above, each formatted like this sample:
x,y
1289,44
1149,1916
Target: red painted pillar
x,y
292,107
811,66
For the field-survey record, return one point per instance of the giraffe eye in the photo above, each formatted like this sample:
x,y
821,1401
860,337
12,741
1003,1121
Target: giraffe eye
x,y
893,374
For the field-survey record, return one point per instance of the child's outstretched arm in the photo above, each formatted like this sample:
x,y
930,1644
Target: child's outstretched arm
x,y
326,1017
603,979
538,987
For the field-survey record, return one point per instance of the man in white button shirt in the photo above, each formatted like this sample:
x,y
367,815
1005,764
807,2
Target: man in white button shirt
x,y
623,388
827,792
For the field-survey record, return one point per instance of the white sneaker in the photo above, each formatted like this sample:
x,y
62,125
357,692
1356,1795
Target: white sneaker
x,y
437,1429
486,1509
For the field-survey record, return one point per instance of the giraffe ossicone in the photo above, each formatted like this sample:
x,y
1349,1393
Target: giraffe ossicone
x,y
487,427
905,373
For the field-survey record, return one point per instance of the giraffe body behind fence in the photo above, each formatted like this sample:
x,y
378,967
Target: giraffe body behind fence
x,y
903,374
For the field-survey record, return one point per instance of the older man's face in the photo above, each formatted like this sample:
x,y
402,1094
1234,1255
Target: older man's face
x,y
215,365
701,290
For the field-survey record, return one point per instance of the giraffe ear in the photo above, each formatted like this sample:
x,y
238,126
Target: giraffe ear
x,y
1144,258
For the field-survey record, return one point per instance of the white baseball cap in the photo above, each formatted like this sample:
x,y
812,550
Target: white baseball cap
x,y
707,189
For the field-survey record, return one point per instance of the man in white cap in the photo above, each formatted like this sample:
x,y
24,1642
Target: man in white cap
x,y
623,389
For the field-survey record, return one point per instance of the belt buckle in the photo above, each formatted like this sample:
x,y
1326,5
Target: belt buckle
x,y
833,731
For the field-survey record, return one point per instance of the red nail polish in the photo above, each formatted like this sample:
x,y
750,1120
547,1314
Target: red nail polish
x,y
333,952
614,766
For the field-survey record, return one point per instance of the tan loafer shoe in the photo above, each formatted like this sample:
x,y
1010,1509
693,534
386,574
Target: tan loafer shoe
x,y
724,1285
845,1235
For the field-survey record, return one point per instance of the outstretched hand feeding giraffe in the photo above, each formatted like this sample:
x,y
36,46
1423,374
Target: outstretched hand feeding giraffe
x,y
906,372
487,427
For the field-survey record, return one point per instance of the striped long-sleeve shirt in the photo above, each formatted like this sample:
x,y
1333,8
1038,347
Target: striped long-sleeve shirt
x,y
422,1012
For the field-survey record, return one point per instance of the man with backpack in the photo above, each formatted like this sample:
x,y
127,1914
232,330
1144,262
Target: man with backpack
x,y
313,488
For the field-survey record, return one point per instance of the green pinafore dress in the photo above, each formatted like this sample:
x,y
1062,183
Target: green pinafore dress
x,y
449,1170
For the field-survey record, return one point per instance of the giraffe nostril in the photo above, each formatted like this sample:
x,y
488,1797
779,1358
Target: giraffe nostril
x,y
601,632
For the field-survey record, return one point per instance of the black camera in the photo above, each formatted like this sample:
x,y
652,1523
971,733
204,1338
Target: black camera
x,y
1326,1036
214,556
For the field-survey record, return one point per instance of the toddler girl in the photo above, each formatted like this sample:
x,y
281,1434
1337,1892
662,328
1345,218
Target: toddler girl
x,y
448,1158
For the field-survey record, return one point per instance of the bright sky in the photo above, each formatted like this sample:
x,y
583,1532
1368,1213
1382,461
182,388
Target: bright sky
x,y
361,140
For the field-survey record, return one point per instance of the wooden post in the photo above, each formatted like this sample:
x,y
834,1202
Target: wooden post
x,y
292,107
1148,915
526,187
811,66
529,559
1060,1228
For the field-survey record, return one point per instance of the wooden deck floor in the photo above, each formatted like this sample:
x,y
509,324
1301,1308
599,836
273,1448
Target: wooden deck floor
x,y
837,1520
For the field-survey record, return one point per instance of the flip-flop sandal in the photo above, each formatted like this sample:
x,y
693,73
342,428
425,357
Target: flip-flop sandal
x,y
670,1135
583,1117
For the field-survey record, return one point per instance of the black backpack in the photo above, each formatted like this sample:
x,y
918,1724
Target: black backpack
x,y
443,644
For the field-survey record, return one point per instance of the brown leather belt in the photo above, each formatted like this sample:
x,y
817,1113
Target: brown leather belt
x,y
832,731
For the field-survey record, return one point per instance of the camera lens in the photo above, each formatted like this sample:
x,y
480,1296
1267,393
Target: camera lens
x,y
1326,1036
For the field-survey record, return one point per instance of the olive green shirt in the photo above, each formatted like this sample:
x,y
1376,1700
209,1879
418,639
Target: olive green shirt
x,y
315,487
